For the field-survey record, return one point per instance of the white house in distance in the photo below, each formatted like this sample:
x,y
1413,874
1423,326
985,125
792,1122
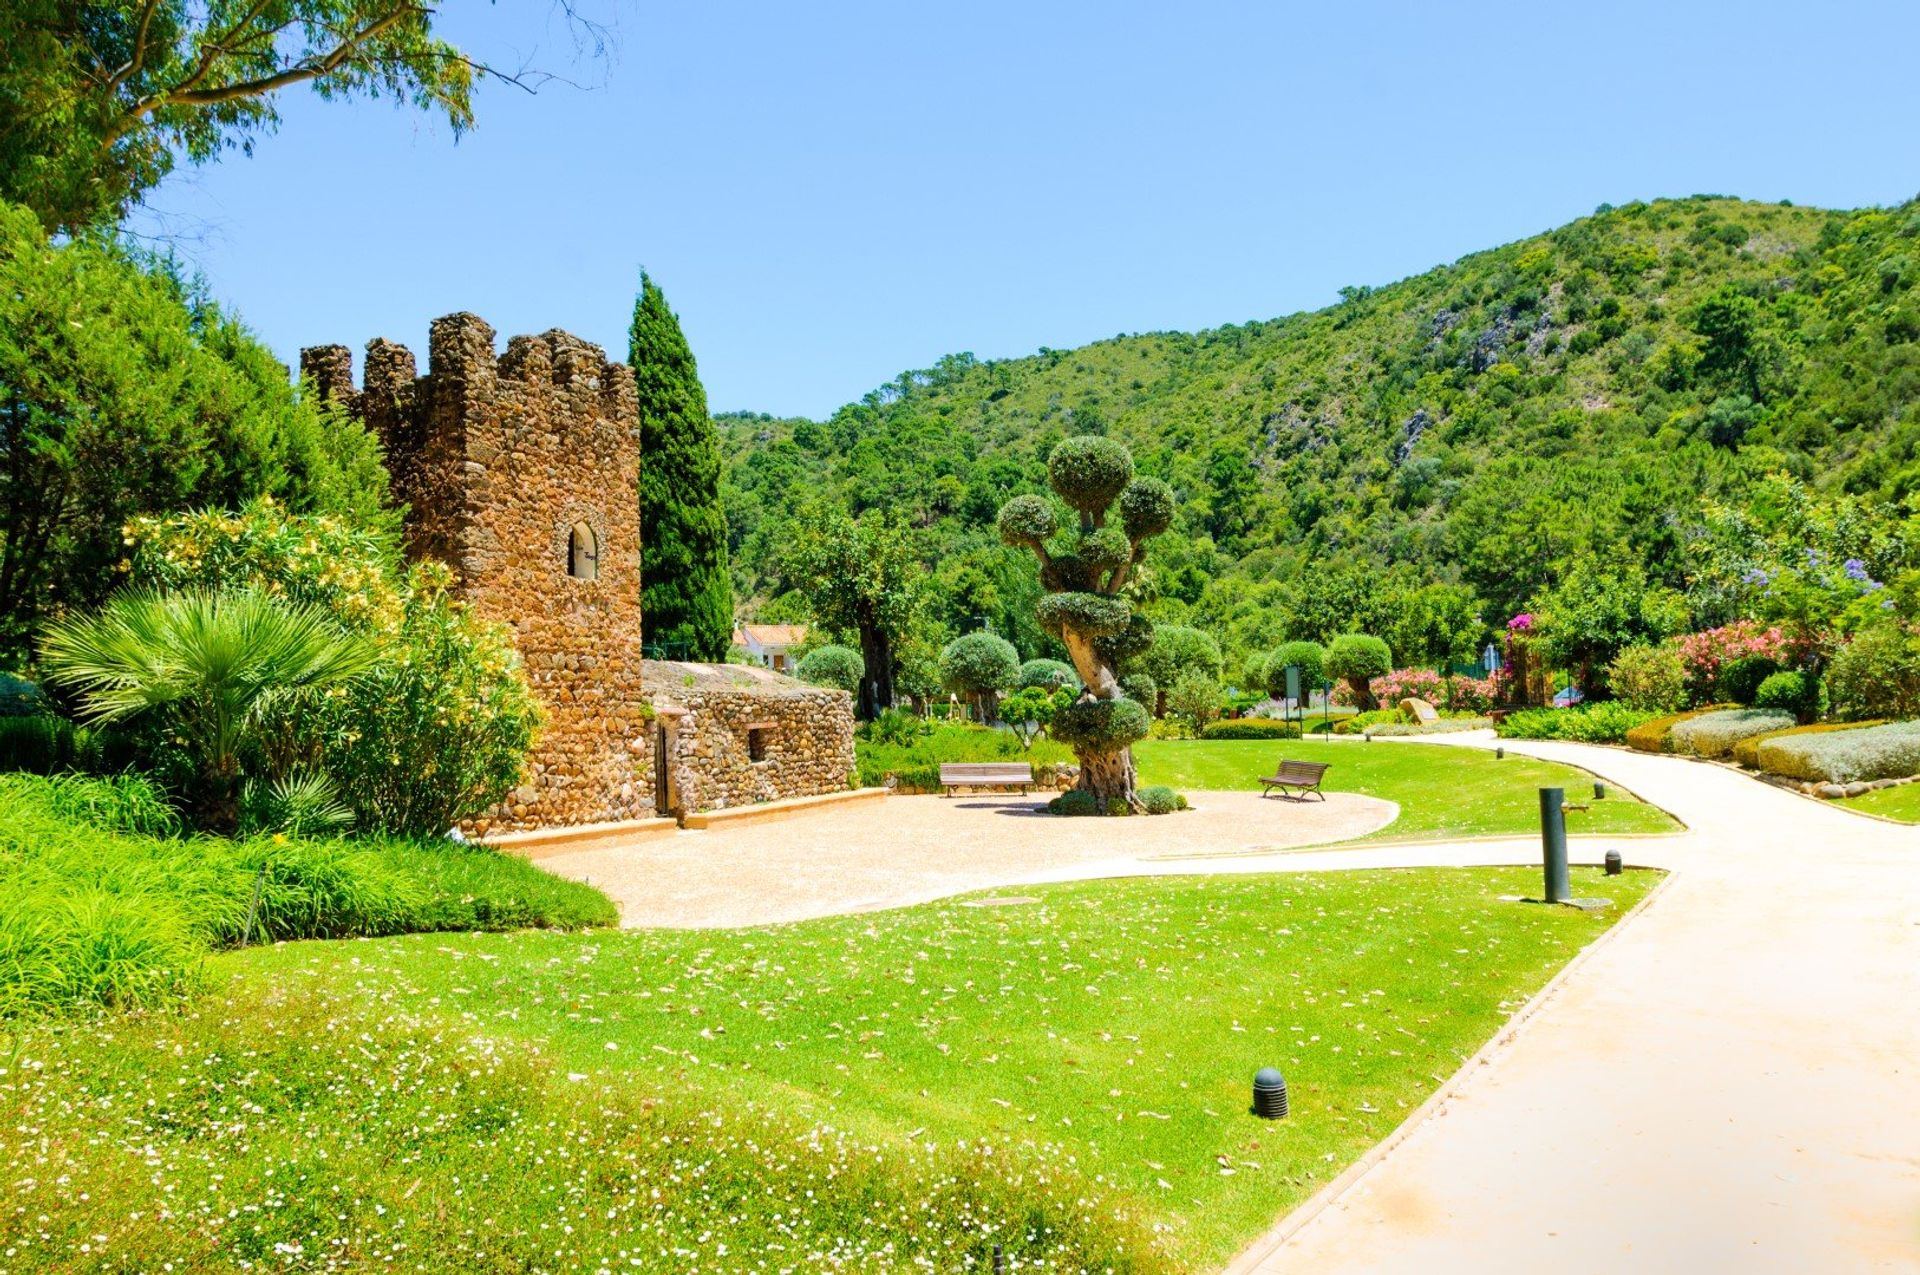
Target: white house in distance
x,y
767,644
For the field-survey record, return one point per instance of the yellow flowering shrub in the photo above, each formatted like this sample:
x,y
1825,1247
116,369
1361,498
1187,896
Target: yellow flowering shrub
x,y
440,729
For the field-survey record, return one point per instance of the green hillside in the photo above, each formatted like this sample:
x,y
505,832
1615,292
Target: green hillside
x,y
1463,435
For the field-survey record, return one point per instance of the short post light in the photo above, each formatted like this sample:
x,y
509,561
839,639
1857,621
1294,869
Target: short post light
x,y
1614,865
1269,1094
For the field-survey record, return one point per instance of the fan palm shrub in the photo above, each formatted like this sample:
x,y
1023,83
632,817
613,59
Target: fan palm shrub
x,y
216,663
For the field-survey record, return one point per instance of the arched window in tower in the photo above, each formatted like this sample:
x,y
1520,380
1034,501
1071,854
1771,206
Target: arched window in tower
x,y
583,553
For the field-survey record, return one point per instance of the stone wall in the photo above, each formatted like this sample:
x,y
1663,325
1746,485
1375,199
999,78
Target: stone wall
x,y
498,460
709,714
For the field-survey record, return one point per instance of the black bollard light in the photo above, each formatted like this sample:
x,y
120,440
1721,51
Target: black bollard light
x,y
1553,841
1269,1094
1599,791
1499,754
1613,863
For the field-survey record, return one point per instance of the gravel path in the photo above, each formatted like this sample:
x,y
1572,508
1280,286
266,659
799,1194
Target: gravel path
x,y
1728,1082
905,850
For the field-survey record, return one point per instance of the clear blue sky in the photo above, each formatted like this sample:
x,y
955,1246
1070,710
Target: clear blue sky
x,y
832,194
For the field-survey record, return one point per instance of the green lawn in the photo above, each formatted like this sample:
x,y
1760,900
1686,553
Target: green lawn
x,y
1442,792
1894,803
1074,1072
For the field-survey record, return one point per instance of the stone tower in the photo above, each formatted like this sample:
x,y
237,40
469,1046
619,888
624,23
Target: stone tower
x,y
522,474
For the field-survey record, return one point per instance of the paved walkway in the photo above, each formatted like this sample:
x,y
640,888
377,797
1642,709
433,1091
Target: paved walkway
x,y
1730,1082
904,850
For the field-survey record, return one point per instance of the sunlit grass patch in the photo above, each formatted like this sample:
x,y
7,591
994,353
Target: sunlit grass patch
x,y
1111,1030
101,903
1441,791
1902,802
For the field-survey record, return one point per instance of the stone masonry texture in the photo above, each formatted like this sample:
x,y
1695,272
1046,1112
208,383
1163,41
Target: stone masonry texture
x,y
498,460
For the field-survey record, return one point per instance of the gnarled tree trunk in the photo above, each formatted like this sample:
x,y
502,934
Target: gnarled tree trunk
x,y
1109,776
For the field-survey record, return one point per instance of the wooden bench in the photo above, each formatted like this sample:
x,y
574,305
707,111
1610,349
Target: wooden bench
x,y
1305,776
985,774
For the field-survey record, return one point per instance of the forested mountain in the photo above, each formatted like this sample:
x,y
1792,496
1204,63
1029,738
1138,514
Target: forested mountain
x,y
1422,458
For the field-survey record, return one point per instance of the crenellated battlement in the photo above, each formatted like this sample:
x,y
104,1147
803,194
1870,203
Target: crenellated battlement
x,y
520,470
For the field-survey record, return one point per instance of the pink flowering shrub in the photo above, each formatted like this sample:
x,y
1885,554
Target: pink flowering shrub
x,y
1418,683
1473,694
1707,652
1456,694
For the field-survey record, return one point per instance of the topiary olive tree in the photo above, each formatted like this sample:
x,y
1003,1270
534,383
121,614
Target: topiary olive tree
x,y
1178,650
838,667
1083,568
1049,675
1309,657
980,666
1357,659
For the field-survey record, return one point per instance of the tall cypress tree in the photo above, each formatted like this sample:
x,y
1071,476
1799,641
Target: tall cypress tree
x,y
686,599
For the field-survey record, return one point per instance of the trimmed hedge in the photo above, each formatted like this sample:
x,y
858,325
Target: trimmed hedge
x,y
1445,726
1652,736
1891,751
1251,728
1747,751
1715,734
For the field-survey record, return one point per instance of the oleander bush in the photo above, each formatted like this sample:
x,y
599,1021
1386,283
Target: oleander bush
x,y
1714,734
1891,751
1251,728
103,904
1747,751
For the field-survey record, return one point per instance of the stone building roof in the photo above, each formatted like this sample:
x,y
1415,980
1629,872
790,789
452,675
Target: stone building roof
x,y
681,675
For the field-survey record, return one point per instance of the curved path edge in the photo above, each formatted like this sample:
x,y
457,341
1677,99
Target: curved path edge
x,y
1729,1080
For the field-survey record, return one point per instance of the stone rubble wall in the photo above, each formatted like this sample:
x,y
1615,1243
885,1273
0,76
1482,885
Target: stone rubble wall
x,y
808,744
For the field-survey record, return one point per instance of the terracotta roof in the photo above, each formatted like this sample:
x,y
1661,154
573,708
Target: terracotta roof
x,y
775,634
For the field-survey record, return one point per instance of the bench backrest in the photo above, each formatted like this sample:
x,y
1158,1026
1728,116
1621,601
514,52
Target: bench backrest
x,y
1309,771
1006,772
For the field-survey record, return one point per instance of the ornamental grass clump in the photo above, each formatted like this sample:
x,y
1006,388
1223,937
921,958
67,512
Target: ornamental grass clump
x,y
1714,734
103,904
1605,722
1891,751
